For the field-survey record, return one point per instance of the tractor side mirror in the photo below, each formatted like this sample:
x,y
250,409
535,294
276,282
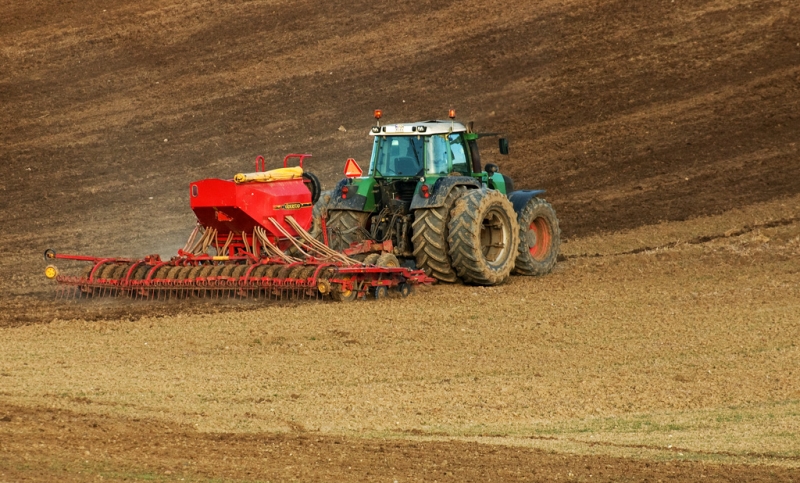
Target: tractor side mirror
x,y
503,146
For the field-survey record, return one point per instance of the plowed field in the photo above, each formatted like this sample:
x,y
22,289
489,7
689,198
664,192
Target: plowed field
x,y
664,345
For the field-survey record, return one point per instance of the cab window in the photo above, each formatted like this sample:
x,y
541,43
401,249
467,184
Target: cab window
x,y
398,156
458,154
437,154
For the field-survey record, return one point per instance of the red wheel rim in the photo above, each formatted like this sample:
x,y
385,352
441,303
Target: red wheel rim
x,y
544,238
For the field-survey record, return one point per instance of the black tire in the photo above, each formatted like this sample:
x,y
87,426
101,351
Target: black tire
x,y
371,259
308,272
118,271
387,260
272,271
346,227
141,272
104,272
484,237
240,271
259,271
319,212
283,272
539,238
192,275
314,185
509,183
184,272
161,272
205,271
296,271
227,272
340,295
172,274
430,229
405,289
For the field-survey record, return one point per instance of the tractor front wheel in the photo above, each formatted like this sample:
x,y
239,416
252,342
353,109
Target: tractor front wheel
x,y
540,238
484,235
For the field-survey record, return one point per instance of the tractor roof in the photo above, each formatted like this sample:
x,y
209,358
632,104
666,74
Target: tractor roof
x,y
413,128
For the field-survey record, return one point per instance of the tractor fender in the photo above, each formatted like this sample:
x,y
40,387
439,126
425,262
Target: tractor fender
x,y
441,188
520,198
354,201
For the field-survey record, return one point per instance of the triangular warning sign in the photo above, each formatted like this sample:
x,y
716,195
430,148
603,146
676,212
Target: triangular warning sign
x,y
352,169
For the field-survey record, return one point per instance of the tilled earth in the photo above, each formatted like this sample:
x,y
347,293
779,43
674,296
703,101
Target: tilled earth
x,y
668,353
632,115
51,445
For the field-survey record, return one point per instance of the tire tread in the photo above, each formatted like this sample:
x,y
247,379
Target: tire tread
x,y
465,240
430,229
526,264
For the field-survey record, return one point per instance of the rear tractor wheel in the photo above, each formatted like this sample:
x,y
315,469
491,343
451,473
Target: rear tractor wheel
x,y
484,236
540,238
346,227
430,238
319,213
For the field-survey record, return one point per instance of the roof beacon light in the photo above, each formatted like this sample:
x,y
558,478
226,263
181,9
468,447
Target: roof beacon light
x,y
378,115
451,113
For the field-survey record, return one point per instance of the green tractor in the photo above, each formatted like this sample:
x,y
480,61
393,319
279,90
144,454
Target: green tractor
x,y
427,193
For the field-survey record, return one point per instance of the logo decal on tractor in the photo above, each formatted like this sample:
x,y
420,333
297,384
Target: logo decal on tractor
x,y
292,206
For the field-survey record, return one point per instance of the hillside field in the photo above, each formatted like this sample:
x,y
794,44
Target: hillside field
x,y
664,346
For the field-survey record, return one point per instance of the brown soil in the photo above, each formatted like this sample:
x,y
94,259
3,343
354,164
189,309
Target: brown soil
x,y
628,113
682,352
56,445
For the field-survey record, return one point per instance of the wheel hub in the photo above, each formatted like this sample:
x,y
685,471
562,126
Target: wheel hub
x,y
541,233
493,237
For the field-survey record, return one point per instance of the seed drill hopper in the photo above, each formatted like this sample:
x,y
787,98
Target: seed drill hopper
x,y
251,240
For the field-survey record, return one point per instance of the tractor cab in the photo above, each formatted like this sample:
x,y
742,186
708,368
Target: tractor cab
x,y
411,161
431,148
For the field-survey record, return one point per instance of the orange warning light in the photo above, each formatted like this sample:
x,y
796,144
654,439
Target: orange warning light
x,y
452,113
378,113
352,169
